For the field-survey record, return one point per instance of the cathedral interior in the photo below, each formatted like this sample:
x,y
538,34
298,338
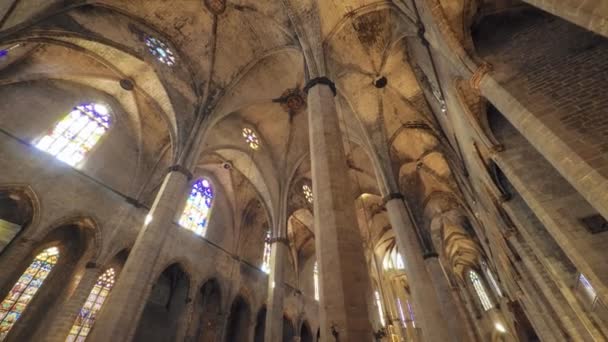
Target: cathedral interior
x,y
303,170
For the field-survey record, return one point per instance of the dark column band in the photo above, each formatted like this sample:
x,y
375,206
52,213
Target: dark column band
x,y
320,80
282,240
392,196
181,169
429,255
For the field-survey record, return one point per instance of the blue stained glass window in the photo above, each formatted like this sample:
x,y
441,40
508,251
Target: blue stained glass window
x,y
198,207
3,53
160,50
76,134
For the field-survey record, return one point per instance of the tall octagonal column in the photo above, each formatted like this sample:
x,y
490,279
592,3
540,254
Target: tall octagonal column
x,y
427,308
122,310
276,290
343,276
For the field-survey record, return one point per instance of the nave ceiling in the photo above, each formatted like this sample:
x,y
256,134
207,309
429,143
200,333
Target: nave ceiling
x,y
242,64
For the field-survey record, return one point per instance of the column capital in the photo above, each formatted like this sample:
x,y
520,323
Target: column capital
x,y
282,240
91,264
181,169
478,74
392,196
320,80
429,255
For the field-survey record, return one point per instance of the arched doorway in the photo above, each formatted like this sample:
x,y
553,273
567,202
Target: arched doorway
x,y
238,321
289,331
260,325
205,325
305,333
16,212
165,305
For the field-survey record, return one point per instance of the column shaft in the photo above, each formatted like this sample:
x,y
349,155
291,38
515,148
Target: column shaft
x,y
130,293
343,275
424,298
456,323
276,292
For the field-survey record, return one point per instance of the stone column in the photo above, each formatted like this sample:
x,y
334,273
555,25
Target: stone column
x,y
15,255
64,316
276,290
391,302
130,293
424,298
456,322
344,282
185,318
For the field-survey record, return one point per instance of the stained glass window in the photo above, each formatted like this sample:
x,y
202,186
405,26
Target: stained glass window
x,y
5,52
491,278
25,289
315,276
76,134
267,250
198,207
307,193
160,50
88,313
380,310
481,291
251,138
401,314
587,286
411,311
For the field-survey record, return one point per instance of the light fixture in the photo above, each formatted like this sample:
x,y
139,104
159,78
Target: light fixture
x,y
148,219
501,328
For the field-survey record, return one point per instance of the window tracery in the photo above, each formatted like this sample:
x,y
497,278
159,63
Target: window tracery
x,y
88,313
307,193
25,289
76,134
160,50
251,138
195,216
486,303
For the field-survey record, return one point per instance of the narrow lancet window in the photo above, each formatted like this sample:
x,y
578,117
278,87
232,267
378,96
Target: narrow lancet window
x,y
76,134
198,207
267,251
380,310
25,289
491,278
315,275
88,313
